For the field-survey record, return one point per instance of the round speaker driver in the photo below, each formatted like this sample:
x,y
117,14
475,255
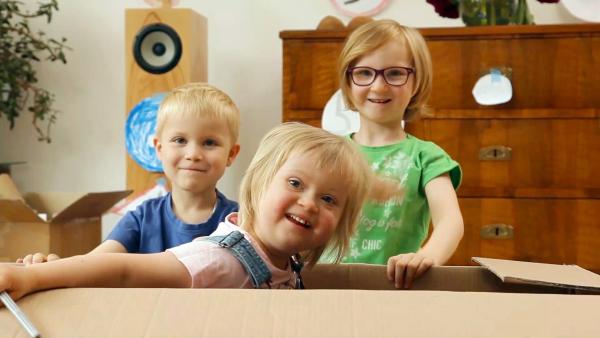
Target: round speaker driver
x,y
157,48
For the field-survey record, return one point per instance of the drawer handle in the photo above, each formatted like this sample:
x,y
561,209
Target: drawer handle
x,y
497,231
495,153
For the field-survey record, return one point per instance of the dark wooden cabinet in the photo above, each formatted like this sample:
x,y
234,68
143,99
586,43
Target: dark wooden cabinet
x,y
531,185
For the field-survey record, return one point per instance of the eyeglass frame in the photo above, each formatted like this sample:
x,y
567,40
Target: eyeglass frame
x,y
378,72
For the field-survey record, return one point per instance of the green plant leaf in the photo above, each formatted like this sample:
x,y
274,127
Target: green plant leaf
x,y
19,49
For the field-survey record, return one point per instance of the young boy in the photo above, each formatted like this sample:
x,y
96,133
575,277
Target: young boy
x,y
196,139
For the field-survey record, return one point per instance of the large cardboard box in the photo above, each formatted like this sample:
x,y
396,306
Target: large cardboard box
x,y
362,304
63,223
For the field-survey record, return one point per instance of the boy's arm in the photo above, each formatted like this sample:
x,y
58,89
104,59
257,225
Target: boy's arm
x,y
127,229
126,233
108,246
100,270
448,227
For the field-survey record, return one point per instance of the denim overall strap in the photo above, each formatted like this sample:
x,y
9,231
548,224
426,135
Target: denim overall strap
x,y
296,264
246,254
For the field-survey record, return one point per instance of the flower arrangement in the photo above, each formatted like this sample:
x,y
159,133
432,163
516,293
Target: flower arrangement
x,y
486,12
445,8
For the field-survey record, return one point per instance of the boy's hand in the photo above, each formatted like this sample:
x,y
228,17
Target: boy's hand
x,y
405,268
14,280
37,258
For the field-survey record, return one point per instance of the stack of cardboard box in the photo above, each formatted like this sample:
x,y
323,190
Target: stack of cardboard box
x,y
63,223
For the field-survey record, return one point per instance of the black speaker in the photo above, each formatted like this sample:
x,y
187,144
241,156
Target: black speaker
x,y
157,48
164,48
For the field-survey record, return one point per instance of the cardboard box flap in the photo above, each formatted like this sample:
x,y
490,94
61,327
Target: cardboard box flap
x,y
360,276
439,278
564,276
8,190
17,211
50,203
91,205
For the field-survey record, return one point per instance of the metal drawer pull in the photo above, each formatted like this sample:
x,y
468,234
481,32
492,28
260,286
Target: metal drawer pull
x,y
495,153
497,231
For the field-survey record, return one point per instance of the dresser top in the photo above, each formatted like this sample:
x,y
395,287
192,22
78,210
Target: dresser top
x,y
474,32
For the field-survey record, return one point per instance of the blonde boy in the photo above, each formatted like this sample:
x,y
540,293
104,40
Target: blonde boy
x,y
196,140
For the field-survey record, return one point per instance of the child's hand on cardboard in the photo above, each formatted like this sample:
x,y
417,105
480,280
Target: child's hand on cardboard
x,y
405,268
37,257
14,280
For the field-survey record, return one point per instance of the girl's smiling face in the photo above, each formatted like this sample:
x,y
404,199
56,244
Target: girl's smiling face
x,y
380,102
300,209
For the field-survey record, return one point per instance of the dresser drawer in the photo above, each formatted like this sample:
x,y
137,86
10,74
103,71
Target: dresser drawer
x,y
547,71
540,230
552,67
521,154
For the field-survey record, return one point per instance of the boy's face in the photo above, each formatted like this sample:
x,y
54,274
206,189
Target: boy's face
x,y
300,209
194,152
380,102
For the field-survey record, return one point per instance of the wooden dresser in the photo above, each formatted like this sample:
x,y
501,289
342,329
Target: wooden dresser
x,y
531,184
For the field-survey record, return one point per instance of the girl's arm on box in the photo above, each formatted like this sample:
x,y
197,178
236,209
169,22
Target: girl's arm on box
x,y
448,229
447,220
105,247
98,270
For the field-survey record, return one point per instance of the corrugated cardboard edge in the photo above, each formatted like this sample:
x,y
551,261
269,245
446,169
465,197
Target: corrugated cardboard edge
x,y
374,277
563,276
440,278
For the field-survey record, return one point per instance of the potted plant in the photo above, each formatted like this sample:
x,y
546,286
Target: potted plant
x,y
486,12
20,50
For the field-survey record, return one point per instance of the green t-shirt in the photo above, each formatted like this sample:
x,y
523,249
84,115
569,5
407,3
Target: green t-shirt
x,y
394,223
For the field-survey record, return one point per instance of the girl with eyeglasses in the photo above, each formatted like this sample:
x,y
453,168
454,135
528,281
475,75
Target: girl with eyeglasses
x,y
385,74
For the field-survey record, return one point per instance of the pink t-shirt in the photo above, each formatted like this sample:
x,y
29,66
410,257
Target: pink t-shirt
x,y
212,266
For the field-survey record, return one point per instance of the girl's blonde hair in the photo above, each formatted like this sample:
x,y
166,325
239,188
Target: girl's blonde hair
x,y
369,37
333,152
200,100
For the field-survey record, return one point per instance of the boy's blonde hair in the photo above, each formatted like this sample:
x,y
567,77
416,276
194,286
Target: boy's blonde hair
x,y
333,152
367,38
201,100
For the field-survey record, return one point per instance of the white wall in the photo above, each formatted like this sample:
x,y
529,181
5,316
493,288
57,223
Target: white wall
x,y
88,153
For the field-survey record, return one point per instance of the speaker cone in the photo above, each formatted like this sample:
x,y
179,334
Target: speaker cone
x,y
157,48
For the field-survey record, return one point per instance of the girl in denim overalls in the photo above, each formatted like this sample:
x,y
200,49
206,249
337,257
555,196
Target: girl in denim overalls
x,y
302,193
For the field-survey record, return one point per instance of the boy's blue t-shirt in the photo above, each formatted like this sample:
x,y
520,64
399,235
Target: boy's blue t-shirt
x,y
154,227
